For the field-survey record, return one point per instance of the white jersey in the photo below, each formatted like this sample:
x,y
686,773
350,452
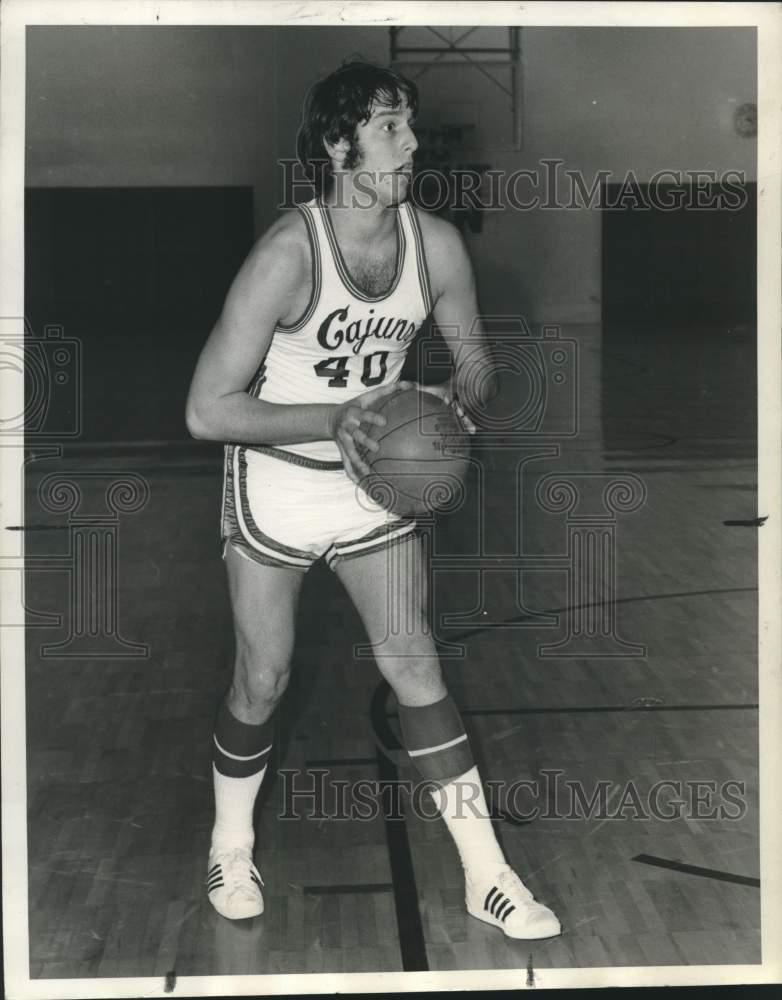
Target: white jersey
x,y
347,342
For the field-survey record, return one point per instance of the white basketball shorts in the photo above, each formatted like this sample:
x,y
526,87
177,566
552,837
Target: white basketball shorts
x,y
283,509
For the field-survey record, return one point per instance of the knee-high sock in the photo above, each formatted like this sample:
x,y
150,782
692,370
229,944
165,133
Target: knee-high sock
x,y
435,739
239,756
462,805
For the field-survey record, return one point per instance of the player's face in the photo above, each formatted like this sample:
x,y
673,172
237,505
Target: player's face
x,y
386,145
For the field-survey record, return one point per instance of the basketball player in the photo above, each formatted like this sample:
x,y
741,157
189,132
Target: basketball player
x,y
317,323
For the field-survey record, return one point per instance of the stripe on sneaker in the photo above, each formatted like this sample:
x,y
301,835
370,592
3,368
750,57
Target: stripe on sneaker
x,y
500,912
498,901
508,912
491,893
214,884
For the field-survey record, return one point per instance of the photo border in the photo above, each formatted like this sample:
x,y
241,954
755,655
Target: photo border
x,y
16,16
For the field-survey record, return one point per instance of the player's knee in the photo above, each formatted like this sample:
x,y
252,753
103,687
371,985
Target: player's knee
x,y
261,675
409,665
260,686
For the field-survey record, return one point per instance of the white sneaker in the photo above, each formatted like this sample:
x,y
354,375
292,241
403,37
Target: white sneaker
x,y
233,884
505,902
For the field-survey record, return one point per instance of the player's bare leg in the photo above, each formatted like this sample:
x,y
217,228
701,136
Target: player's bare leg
x,y
388,589
264,600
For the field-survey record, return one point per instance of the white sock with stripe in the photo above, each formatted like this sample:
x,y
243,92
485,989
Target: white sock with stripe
x,y
462,804
435,739
240,752
234,804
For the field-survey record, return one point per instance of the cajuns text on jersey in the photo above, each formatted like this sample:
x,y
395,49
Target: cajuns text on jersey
x,y
347,342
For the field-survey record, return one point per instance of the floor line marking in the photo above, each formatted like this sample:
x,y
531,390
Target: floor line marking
x,y
679,866
586,709
343,890
412,944
506,622
340,761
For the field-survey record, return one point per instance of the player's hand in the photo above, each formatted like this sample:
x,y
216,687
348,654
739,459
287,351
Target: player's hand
x,y
446,392
346,422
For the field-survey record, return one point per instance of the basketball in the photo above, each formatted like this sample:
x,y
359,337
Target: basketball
x,y
423,456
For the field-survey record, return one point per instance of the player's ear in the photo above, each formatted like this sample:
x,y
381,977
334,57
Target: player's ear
x,y
337,150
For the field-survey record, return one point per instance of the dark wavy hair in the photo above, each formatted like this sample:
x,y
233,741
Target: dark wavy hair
x,y
337,105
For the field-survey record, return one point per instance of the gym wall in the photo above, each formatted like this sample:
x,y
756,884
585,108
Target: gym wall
x,y
217,106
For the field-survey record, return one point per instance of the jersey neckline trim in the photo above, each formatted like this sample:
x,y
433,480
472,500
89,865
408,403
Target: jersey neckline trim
x,y
342,268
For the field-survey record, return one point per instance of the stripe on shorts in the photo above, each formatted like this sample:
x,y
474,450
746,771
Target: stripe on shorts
x,y
227,508
242,549
374,541
252,534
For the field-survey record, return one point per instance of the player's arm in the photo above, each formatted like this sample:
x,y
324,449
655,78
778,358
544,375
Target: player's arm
x,y
457,317
219,407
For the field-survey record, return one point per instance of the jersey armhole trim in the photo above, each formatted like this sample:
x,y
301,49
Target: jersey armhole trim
x,y
316,276
423,269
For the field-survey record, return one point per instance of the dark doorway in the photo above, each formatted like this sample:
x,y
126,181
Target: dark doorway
x,y
682,264
138,276
678,355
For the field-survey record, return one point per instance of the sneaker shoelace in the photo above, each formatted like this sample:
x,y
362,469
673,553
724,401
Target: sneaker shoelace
x,y
510,882
237,873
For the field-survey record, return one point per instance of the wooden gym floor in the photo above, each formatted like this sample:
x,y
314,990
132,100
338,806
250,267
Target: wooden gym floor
x,y
118,749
